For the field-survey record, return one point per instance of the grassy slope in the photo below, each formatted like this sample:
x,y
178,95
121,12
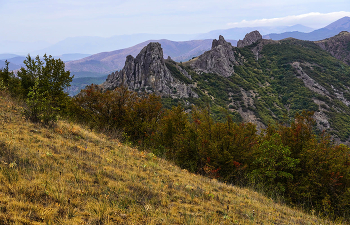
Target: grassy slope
x,y
69,175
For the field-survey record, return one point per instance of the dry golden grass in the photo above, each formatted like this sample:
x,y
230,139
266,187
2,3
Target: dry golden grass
x,y
69,175
189,62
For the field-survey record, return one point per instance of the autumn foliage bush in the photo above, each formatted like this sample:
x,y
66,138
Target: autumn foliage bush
x,y
120,111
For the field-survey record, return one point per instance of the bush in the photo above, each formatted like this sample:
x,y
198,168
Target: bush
x,y
119,110
39,108
273,164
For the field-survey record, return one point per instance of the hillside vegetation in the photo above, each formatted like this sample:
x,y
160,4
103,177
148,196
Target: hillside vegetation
x,y
285,78
69,175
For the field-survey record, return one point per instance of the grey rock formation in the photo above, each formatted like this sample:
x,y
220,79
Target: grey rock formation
x,y
249,39
148,72
220,59
338,46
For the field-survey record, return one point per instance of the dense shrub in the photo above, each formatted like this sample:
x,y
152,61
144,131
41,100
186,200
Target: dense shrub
x,y
120,110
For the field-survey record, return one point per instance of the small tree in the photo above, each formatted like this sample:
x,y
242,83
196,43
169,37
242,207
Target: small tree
x,y
43,85
8,81
39,108
5,74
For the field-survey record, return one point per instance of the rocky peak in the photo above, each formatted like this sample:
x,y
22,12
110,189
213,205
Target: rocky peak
x,y
221,41
343,33
249,39
220,59
148,72
338,46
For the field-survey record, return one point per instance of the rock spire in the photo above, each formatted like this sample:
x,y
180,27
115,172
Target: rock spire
x,y
220,59
249,39
148,72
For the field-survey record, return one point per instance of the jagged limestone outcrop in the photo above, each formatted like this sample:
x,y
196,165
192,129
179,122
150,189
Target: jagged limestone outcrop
x,y
252,38
148,72
338,46
220,59
249,39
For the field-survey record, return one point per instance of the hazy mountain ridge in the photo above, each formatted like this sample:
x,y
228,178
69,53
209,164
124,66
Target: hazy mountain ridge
x,y
94,45
16,61
239,32
332,29
7,56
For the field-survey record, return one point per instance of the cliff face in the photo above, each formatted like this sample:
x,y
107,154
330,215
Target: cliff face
x,y
220,59
148,72
338,46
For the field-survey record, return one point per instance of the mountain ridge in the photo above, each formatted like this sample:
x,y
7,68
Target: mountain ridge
x,y
256,84
330,30
95,44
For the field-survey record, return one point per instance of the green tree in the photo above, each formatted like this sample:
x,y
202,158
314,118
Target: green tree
x,y
273,163
43,85
39,108
8,81
5,75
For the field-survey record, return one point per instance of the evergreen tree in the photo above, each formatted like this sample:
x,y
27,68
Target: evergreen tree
x,y
43,85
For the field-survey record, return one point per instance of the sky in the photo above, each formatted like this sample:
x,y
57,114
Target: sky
x,y
55,20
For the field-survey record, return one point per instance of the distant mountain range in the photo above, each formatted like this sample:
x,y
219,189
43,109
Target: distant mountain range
x,y
7,56
13,59
16,61
20,47
93,45
239,33
332,29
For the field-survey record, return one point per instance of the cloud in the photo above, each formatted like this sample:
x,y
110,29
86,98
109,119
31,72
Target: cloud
x,y
313,19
